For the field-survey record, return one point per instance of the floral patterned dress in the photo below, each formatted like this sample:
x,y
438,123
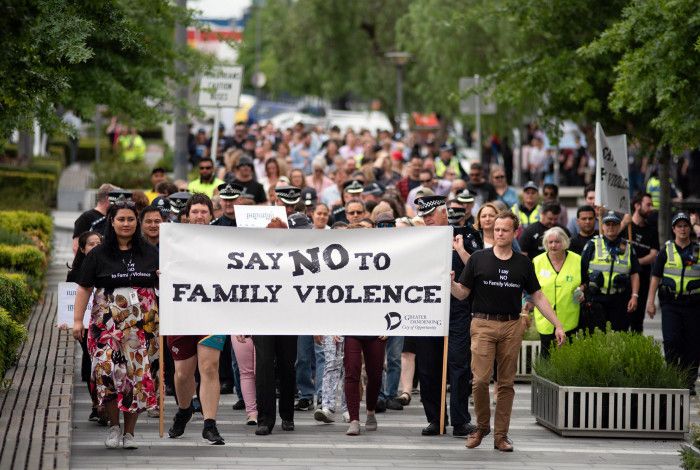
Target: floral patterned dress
x,y
122,342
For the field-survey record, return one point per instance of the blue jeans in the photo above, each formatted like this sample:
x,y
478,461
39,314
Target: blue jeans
x,y
392,373
310,364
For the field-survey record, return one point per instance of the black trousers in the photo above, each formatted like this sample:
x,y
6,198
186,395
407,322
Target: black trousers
x,y
429,351
680,326
226,363
615,308
275,355
637,317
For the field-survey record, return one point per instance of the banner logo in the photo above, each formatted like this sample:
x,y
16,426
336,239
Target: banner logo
x,y
390,317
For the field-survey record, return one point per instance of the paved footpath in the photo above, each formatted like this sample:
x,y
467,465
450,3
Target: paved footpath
x,y
397,443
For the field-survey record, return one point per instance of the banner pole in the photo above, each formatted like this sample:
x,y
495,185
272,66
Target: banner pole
x,y
443,393
161,387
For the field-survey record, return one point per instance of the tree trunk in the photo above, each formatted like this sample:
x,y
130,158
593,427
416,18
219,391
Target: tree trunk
x,y
665,195
25,146
181,134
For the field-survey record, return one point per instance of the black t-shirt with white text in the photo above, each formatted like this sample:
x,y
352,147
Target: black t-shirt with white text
x,y
125,269
497,285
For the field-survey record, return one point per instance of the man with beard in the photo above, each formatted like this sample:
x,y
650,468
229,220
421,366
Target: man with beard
x,y
207,181
645,238
244,176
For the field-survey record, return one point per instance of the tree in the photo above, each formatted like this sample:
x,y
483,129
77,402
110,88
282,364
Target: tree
x,y
80,53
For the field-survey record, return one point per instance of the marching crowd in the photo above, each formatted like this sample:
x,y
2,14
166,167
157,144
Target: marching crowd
x,y
515,257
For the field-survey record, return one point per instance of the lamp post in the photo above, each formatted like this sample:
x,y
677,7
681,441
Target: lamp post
x,y
399,59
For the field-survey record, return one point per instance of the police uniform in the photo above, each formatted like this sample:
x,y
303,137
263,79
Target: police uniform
x,y
525,215
429,353
679,296
453,163
227,191
354,188
100,225
610,265
471,238
178,201
466,196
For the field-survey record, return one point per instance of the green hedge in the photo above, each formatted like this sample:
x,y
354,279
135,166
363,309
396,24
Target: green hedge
x,y
25,258
37,226
611,359
34,283
16,297
11,336
125,175
20,189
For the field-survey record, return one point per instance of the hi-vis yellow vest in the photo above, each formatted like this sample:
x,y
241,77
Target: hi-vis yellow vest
x,y
681,275
654,188
559,288
602,262
441,167
525,219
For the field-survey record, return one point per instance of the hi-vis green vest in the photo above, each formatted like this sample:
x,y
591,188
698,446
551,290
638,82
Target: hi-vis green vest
x,y
680,274
441,167
559,288
654,188
525,219
602,262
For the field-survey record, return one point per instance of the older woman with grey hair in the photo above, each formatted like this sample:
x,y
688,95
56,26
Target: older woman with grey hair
x,y
562,280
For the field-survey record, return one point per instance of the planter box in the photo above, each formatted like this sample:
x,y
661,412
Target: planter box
x,y
529,351
607,411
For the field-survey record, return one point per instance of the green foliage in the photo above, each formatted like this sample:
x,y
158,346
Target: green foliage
x,y
12,238
35,225
11,336
611,359
113,170
689,460
531,333
27,190
34,283
25,258
80,53
15,297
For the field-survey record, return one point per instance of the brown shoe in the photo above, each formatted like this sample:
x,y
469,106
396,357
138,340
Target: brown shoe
x,y
503,444
474,439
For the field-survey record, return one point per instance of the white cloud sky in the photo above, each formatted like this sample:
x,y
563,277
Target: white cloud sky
x,y
220,8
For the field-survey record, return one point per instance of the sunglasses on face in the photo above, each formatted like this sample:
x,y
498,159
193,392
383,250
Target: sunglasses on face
x,y
499,177
426,181
355,212
386,224
206,167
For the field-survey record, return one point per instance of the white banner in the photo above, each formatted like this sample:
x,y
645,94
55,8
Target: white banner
x,y
258,216
223,280
612,188
66,302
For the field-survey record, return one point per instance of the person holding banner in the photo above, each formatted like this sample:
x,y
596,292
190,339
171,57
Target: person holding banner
x,y
197,352
123,274
613,271
430,350
496,278
676,275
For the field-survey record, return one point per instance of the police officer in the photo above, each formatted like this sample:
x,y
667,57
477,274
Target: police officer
x,y
529,211
429,351
229,193
456,217
178,201
613,271
100,225
447,160
288,196
352,189
676,274
466,199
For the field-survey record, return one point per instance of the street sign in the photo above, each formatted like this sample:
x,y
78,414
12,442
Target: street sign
x,y
222,88
468,104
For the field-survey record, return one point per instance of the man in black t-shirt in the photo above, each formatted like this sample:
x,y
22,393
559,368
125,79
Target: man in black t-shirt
x,y
585,221
531,238
496,279
244,176
645,238
84,222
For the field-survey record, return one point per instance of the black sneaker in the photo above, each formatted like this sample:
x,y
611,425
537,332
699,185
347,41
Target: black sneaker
x,y
212,436
94,415
239,405
394,404
262,430
226,388
380,407
182,417
287,425
463,430
303,405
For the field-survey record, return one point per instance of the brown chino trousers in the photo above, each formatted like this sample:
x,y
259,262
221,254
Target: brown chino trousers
x,y
499,340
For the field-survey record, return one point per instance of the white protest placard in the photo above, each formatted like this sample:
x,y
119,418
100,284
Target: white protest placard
x,y
221,88
312,282
258,216
612,186
66,302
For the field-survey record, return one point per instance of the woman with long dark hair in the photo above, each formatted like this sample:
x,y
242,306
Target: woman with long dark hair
x,y
122,272
86,242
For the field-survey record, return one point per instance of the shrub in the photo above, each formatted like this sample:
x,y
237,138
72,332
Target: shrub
x,y
16,297
35,225
11,336
25,258
12,238
34,283
611,359
118,173
21,189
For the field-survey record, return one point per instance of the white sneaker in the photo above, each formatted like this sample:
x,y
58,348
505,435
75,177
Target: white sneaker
x,y
114,438
346,416
323,415
153,413
129,442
